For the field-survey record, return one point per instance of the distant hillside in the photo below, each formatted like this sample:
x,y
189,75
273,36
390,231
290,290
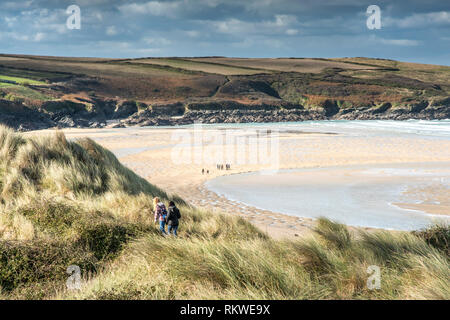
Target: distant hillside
x,y
71,203
87,92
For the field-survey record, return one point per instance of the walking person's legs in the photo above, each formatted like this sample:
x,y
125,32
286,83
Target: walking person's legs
x,y
162,227
172,230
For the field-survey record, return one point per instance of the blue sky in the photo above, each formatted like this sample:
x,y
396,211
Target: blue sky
x,y
417,31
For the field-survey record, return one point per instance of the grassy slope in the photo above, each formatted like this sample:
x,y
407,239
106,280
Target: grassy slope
x,y
21,90
65,203
435,74
117,78
301,65
200,66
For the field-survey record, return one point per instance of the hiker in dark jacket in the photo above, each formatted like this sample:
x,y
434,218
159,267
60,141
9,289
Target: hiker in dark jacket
x,y
173,215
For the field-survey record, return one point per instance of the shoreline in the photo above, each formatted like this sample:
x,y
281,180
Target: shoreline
x,y
418,208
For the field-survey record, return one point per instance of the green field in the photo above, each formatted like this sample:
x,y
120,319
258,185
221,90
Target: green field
x,y
7,85
24,92
22,80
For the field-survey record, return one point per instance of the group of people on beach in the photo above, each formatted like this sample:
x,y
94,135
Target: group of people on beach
x,y
218,167
226,166
166,216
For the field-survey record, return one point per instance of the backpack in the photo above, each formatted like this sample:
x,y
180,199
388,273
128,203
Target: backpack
x,y
163,211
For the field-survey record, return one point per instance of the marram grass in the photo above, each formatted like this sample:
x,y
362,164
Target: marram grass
x,y
68,203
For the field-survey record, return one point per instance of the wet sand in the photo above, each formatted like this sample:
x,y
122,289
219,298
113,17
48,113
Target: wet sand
x,y
431,199
150,153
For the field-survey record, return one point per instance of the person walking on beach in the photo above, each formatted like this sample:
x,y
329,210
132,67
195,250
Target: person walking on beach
x,y
173,217
160,212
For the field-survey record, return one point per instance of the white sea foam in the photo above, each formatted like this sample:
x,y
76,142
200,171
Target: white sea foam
x,y
432,128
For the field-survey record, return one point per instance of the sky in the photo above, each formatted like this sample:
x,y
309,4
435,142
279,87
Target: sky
x,y
411,30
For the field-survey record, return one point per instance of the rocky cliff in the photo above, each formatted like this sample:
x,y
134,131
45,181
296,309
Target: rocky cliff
x,y
110,113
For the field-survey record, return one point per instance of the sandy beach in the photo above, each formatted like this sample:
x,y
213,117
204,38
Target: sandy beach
x,y
163,156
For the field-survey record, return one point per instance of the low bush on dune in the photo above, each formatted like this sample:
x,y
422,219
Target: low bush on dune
x,y
35,269
72,203
437,236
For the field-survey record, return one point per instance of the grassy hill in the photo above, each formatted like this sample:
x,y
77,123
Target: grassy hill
x,y
68,203
178,91
156,80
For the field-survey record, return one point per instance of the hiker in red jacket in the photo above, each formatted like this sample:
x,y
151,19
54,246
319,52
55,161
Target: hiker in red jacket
x,y
160,212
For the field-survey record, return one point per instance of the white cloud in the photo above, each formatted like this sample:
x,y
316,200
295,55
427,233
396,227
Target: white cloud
x,y
98,16
400,42
14,36
91,2
157,41
419,20
39,37
148,52
212,3
16,5
259,42
10,21
283,20
155,8
126,48
292,32
40,20
192,33
375,40
233,26
123,45
281,24
111,31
